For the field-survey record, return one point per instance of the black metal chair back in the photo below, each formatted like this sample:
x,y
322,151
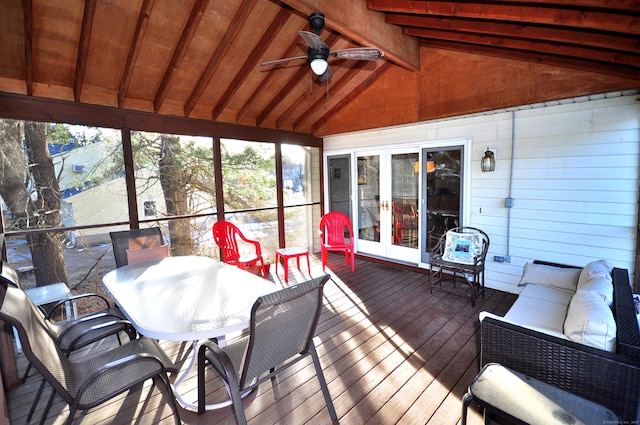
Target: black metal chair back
x,y
281,334
147,238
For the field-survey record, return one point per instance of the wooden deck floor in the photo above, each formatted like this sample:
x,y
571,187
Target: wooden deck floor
x,y
391,353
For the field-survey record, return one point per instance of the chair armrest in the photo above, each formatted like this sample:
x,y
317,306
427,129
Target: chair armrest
x,y
628,334
610,379
223,365
221,361
77,297
118,376
252,242
100,329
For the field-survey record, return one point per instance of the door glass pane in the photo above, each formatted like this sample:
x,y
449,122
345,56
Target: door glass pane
x,y
404,195
340,184
369,198
443,183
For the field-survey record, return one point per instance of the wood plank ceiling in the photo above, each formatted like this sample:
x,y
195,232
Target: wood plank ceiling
x,y
201,58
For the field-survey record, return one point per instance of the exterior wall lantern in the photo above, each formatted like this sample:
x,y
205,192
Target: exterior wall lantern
x,y
488,162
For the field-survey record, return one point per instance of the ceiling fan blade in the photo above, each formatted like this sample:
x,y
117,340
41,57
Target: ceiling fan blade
x,y
359,53
285,60
326,76
313,40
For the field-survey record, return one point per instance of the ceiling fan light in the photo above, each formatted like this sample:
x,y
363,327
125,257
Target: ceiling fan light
x,y
319,66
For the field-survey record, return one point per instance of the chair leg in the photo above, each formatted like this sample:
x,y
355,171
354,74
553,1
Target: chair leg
x,y
323,255
466,400
353,260
36,400
238,408
201,367
48,406
323,383
26,373
172,399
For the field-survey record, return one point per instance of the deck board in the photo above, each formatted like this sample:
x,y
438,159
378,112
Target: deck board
x,y
391,353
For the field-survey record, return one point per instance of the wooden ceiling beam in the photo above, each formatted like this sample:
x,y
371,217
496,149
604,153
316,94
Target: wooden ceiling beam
x,y
617,42
349,97
267,81
134,50
252,60
216,59
522,13
28,45
353,20
336,87
625,5
536,57
571,51
83,48
189,31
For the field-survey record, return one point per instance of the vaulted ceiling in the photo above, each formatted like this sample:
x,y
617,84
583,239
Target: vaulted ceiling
x,y
202,58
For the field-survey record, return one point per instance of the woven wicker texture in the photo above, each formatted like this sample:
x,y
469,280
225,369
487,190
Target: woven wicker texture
x,y
596,375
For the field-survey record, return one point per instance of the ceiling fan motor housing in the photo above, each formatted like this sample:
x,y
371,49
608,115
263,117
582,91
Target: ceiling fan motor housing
x,y
316,22
322,53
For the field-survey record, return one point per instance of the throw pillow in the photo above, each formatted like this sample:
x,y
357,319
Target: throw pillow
x,y
601,285
541,274
599,268
461,247
590,321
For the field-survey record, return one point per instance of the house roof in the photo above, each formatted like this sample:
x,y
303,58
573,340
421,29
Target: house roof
x,y
201,58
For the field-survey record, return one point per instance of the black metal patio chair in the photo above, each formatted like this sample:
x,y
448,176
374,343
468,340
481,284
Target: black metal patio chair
x,y
88,383
126,239
69,335
281,333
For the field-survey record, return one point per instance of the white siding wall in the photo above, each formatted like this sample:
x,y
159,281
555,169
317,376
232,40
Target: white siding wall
x,y
575,180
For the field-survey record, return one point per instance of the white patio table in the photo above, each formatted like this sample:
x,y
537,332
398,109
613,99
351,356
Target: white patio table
x,y
186,298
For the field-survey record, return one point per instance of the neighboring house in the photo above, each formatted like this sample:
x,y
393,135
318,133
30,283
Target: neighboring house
x,y
571,168
86,201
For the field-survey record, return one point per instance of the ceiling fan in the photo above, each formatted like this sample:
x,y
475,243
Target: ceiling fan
x,y
318,51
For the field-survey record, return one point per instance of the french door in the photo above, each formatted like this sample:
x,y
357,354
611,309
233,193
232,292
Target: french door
x,y
400,200
387,202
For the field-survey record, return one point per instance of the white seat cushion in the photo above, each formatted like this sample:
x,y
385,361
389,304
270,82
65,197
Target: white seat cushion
x,y
536,313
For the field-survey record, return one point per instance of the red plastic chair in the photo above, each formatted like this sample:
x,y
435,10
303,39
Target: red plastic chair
x,y
226,235
332,237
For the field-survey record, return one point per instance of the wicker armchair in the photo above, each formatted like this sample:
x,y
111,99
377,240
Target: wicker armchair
x,y
142,238
86,384
281,333
459,258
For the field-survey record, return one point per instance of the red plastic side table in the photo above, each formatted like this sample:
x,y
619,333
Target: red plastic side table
x,y
286,254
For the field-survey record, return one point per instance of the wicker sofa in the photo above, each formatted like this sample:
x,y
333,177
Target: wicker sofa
x,y
611,379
